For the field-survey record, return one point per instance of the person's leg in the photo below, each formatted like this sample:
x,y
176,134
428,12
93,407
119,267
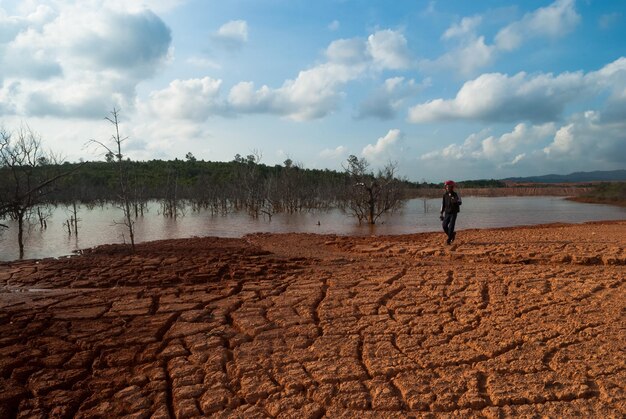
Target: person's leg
x,y
446,225
451,232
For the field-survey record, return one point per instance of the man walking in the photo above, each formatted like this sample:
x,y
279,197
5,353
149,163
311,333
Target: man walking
x,y
450,207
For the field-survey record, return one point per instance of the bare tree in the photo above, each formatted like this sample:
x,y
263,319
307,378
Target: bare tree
x,y
252,190
124,192
171,205
24,163
369,196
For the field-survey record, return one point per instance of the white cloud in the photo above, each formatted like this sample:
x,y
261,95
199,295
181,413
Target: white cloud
x,y
78,59
316,92
470,56
347,51
553,21
192,99
334,153
313,94
588,140
384,146
585,141
387,99
500,149
158,6
232,34
389,49
472,52
497,97
165,138
203,62
467,26
516,160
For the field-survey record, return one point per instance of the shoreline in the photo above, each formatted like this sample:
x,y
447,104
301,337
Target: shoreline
x,y
586,200
123,246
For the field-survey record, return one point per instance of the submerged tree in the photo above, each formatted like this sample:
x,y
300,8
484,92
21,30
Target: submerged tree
x,y
123,180
29,177
369,196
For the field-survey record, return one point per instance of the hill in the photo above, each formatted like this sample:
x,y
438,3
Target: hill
x,y
595,176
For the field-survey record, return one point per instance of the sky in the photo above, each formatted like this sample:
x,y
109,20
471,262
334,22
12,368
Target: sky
x,y
450,89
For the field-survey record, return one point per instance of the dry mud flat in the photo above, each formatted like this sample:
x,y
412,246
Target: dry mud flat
x,y
517,322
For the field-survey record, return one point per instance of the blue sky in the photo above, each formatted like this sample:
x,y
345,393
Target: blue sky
x,y
446,89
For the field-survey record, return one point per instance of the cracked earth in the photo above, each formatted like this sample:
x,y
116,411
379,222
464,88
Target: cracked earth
x,y
518,322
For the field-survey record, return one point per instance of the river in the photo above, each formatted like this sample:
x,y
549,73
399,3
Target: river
x,y
98,225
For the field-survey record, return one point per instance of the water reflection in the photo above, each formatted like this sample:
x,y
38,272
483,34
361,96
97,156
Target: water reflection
x,y
98,225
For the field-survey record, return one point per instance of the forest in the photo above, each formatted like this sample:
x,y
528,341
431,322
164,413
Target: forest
x,y
32,179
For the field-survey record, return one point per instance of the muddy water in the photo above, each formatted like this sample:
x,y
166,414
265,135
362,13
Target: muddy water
x,y
98,226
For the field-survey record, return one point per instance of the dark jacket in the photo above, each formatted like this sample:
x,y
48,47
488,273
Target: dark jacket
x,y
451,203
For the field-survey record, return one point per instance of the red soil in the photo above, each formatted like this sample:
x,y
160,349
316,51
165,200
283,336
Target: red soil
x,y
520,322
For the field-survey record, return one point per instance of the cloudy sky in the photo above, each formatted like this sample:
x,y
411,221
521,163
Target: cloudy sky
x,y
447,89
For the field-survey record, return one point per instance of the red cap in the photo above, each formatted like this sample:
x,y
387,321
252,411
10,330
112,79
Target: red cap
x,y
449,182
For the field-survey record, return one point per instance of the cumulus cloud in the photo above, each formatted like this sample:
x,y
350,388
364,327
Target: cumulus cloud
x,y
585,140
389,49
316,92
496,97
157,6
232,34
515,160
553,21
497,149
192,99
589,139
78,59
384,147
334,153
347,51
313,94
467,26
387,99
472,52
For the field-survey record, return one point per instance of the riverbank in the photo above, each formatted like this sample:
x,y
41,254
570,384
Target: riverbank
x,y
97,225
517,322
595,200
613,193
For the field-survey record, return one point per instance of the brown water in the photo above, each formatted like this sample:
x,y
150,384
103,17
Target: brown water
x,y
97,226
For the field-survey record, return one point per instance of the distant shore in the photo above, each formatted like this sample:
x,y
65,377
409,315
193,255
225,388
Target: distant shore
x,y
593,200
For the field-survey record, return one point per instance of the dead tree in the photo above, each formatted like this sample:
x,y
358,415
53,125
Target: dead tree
x,y
23,165
370,196
124,191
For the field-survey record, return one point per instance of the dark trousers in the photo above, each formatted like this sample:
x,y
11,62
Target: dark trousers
x,y
449,220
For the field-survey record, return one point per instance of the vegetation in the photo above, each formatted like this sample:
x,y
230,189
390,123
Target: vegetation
x,y
372,196
613,193
31,180
28,178
482,183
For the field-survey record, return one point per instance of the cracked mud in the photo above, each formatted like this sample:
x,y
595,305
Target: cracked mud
x,y
512,322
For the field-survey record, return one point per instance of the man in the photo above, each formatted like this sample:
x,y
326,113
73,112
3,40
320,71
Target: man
x,y
450,207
